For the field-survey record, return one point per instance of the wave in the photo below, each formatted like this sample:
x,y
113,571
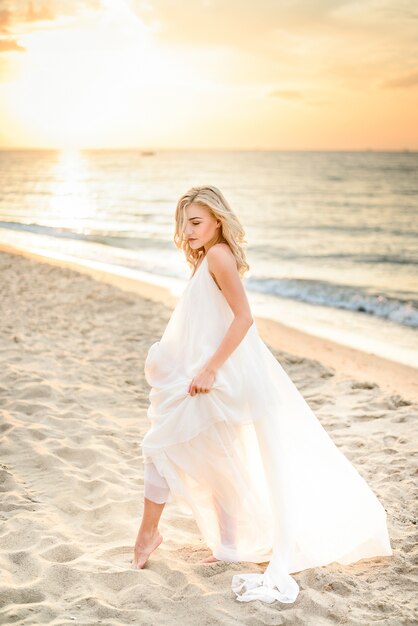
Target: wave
x,y
401,311
121,239
268,252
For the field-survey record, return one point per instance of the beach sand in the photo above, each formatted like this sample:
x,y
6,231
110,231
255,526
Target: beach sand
x,y
73,401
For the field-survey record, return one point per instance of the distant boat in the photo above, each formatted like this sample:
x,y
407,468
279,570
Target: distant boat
x,y
147,153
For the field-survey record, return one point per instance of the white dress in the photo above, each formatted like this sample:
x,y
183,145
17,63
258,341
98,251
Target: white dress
x,y
249,459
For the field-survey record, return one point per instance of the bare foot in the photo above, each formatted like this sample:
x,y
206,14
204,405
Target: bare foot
x,y
144,546
209,559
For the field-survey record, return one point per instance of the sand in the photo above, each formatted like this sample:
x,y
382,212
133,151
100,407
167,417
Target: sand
x,y
73,402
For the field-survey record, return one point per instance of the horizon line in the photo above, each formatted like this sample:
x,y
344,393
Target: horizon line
x,y
193,149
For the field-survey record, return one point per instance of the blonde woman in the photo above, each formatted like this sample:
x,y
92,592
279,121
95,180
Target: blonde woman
x,y
232,439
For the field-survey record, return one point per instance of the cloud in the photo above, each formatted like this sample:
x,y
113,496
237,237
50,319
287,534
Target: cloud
x,y
5,19
343,44
309,99
231,23
12,14
17,16
34,14
17,13
288,94
7,45
408,81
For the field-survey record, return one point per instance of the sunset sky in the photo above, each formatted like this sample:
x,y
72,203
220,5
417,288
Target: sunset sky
x,y
228,74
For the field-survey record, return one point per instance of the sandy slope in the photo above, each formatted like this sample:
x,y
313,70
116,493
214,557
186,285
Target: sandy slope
x,y
73,412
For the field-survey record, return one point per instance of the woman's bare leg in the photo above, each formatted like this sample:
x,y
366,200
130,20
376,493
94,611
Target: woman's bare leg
x,y
227,528
148,538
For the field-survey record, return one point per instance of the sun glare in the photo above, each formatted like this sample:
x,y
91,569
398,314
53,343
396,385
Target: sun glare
x,y
75,81
70,192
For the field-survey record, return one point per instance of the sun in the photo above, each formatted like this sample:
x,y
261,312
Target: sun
x,y
79,78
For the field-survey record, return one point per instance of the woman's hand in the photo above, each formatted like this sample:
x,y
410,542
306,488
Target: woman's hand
x,y
202,382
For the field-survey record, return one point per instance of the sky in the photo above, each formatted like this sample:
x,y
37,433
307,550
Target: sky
x,y
209,74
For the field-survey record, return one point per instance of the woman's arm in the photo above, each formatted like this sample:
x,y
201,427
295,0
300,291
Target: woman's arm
x,y
233,337
223,267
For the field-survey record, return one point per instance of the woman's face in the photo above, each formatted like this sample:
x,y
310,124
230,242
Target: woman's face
x,y
202,227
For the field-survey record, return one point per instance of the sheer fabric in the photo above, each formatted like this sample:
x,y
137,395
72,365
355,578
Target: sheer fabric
x,y
249,459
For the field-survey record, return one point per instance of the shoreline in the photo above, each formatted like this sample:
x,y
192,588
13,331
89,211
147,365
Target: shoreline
x,y
347,362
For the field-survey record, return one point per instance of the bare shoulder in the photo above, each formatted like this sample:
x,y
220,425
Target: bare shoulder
x,y
220,255
222,265
224,271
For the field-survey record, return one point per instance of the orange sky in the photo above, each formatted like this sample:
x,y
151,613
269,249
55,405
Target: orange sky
x,y
267,74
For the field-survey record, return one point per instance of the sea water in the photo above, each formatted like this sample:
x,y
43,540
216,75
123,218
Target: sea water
x,y
331,237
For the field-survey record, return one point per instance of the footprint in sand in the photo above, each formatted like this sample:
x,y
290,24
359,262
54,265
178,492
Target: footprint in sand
x,y
363,384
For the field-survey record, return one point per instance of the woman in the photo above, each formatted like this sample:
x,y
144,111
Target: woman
x,y
232,438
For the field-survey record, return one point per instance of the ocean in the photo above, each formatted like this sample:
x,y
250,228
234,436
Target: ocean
x,y
331,236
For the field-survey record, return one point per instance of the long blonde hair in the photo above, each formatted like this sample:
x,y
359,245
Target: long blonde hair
x,y
231,230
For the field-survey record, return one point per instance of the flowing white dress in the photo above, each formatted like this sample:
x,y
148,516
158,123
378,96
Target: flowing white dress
x,y
249,459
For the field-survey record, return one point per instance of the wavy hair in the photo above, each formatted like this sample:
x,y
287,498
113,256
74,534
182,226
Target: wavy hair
x,y
231,231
